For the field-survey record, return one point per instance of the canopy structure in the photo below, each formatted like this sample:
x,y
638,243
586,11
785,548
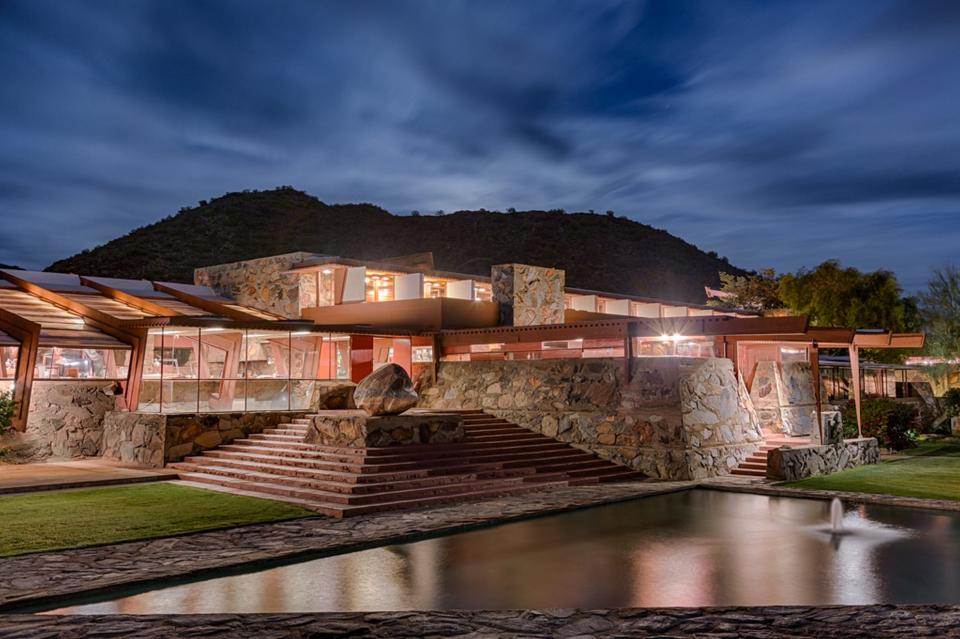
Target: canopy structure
x,y
63,326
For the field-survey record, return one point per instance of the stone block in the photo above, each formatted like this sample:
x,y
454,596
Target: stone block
x,y
356,429
792,463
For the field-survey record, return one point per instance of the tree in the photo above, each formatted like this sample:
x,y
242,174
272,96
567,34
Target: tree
x,y
835,296
758,292
940,310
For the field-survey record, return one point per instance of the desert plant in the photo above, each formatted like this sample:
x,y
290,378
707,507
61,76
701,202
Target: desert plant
x,y
894,424
8,408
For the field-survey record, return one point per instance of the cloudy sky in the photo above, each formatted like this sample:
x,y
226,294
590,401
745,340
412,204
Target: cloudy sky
x,y
776,133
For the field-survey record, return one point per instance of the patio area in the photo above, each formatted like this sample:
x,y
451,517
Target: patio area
x,y
21,478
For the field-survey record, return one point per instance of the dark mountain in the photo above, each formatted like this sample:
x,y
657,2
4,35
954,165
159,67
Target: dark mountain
x,y
600,252
10,266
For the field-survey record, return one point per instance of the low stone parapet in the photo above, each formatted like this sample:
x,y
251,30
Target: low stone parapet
x,y
356,429
152,439
790,463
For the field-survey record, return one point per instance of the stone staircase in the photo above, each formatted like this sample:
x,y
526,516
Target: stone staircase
x,y
496,457
756,464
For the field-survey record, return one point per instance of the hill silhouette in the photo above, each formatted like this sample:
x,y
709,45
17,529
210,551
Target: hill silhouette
x,y
600,252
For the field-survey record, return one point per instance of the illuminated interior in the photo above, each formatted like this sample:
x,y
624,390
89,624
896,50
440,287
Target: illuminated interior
x,y
189,369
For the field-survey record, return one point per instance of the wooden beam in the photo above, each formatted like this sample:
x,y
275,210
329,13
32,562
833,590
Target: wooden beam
x,y
147,306
814,354
28,334
855,371
98,319
211,306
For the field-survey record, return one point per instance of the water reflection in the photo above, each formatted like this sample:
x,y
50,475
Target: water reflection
x,y
697,548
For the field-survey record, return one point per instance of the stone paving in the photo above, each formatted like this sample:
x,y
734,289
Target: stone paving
x,y
828,622
37,578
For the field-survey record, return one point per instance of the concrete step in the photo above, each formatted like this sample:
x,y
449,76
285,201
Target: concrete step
x,y
497,457
341,482
270,485
745,472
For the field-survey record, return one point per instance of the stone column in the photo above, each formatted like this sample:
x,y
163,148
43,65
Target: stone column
x,y
528,295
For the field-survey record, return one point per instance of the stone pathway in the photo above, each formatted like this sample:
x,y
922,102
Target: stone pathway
x,y
829,622
37,579
22,478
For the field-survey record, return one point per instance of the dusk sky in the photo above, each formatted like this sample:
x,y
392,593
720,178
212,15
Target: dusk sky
x,y
775,133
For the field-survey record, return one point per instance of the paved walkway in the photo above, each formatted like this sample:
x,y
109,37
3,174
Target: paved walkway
x,y
20,478
827,622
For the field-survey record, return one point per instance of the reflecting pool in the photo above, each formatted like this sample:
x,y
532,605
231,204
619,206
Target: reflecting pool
x,y
696,548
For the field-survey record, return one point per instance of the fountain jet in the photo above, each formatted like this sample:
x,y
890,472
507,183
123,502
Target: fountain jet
x,y
836,516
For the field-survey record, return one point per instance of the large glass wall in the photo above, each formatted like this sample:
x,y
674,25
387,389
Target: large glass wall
x,y
81,363
211,370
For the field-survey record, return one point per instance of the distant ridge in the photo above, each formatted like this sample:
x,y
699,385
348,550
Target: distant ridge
x,y
600,252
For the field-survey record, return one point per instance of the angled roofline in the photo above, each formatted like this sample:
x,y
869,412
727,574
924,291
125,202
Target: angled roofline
x,y
216,307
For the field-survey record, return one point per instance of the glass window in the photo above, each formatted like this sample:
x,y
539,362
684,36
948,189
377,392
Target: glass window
x,y
326,287
793,354
422,355
150,379
222,364
267,355
380,287
82,363
8,361
308,290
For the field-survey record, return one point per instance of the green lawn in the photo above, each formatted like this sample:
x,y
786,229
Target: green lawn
x,y
929,471
69,519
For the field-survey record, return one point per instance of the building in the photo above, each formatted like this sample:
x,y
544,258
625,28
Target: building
x,y
669,388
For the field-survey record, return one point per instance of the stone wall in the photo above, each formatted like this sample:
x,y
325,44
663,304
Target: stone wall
x,y
792,463
675,418
260,283
528,295
766,399
151,439
783,395
356,429
66,418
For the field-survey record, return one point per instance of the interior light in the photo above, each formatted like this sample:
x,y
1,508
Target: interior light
x,y
300,333
327,271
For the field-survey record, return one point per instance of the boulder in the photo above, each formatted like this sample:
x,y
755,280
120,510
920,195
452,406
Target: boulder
x,y
386,391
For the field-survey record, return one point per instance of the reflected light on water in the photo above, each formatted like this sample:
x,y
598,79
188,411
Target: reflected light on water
x,y
697,548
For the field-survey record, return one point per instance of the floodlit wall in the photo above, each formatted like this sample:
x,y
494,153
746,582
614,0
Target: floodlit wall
x,y
674,418
66,418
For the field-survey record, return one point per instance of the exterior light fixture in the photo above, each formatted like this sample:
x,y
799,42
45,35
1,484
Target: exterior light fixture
x,y
327,271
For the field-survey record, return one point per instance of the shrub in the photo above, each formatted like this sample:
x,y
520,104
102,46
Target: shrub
x,y
892,423
8,409
951,402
